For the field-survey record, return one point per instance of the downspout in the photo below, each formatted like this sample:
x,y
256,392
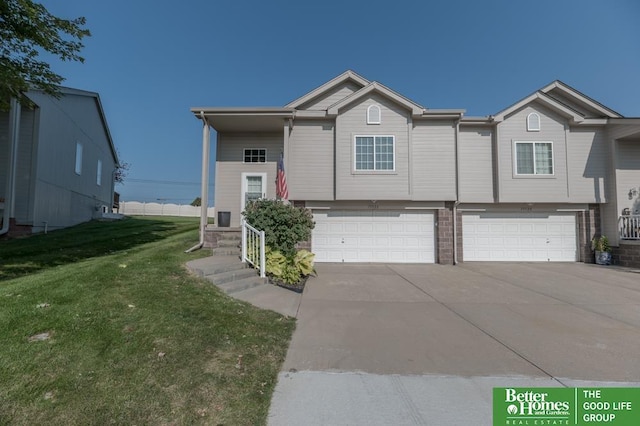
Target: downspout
x,y
204,192
455,204
14,136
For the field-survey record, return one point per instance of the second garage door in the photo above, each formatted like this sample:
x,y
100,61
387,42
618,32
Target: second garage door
x,y
395,236
544,237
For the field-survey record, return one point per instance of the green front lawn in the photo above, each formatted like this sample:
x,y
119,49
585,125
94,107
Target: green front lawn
x,y
133,338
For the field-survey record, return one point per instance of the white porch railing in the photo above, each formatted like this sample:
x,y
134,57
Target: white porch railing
x,y
253,247
629,227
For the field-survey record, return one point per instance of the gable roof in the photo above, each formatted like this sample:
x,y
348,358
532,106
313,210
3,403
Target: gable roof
x,y
579,98
377,88
318,91
553,94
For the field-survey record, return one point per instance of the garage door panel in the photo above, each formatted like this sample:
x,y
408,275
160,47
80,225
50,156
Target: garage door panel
x,y
379,236
519,237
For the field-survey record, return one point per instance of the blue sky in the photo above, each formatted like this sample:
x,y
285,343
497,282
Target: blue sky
x,y
153,60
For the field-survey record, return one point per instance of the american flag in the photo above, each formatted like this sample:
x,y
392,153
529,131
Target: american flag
x,y
281,181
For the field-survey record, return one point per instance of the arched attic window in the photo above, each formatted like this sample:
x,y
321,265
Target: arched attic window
x,y
533,122
374,114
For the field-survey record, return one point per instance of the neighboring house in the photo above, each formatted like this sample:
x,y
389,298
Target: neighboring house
x,y
57,162
389,180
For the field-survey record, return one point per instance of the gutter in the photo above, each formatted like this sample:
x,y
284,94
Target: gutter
x,y
14,136
204,192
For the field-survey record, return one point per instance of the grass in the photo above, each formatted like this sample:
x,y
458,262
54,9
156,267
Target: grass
x,y
133,337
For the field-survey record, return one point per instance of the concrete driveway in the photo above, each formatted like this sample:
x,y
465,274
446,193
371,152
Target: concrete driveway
x,y
425,344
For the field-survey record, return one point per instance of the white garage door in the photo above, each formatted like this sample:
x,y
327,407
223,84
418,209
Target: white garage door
x,y
397,236
519,237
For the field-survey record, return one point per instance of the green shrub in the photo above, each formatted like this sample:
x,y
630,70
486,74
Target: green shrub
x,y
600,244
283,224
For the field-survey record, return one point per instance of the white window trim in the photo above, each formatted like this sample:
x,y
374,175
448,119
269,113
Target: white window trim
x,y
530,128
534,174
243,185
78,166
99,173
369,120
249,149
374,170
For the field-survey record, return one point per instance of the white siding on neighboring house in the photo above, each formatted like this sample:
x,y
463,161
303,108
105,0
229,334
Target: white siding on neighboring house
x,y
310,161
62,197
351,122
433,161
476,172
25,171
539,188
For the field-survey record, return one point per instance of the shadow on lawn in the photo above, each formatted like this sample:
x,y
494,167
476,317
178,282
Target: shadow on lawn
x,y
93,239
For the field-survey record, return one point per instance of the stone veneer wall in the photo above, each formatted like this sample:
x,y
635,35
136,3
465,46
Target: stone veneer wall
x,y
302,245
626,254
445,234
588,227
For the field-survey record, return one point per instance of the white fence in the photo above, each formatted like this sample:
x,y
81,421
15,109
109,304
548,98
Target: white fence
x,y
136,208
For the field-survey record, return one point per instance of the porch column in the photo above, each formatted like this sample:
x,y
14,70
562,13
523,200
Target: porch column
x,y
204,193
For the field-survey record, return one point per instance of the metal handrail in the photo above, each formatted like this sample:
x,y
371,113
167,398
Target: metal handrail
x,y
253,247
629,227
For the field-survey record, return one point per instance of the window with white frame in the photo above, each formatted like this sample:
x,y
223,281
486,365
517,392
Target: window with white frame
x,y
374,114
255,155
374,153
78,168
533,122
99,173
534,158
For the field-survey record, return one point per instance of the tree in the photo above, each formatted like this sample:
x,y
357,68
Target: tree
x,y
26,30
197,202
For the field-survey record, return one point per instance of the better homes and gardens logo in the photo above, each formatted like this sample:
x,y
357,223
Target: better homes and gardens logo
x,y
566,406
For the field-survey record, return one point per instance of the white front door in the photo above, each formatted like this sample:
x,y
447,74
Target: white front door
x,y
254,187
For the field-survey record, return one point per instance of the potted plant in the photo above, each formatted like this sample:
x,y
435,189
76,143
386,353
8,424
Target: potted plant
x,y
602,250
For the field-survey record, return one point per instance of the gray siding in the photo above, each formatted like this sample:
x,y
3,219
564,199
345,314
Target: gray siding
x,y
231,146
514,188
229,185
588,160
331,97
63,198
310,161
374,185
230,166
475,147
628,175
433,161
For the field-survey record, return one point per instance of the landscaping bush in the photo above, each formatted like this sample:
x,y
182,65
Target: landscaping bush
x,y
283,224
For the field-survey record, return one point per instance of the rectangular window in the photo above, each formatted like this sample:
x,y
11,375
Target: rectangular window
x,y
78,169
534,158
374,153
99,173
254,155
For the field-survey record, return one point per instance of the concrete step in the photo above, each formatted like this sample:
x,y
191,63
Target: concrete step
x,y
214,264
232,236
233,275
213,269
226,251
228,243
241,285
